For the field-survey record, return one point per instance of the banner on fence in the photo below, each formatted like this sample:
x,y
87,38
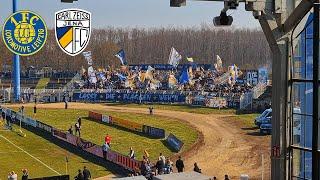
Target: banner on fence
x,y
30,121
89,96
127,124
174,142
95,116
106,119
129,97
145,97
59,134
44,126
153,131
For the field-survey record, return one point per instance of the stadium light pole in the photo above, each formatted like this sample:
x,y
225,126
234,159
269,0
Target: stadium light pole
x,y
16,65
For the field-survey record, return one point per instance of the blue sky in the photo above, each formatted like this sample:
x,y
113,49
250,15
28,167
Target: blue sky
x,y
134,13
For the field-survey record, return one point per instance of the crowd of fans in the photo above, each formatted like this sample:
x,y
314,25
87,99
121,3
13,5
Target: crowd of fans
x,y
198,79
14,176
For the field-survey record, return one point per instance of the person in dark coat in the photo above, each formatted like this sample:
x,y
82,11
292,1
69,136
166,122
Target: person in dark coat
x,y
160,166
79,176
196,168
79,121
86,173
180,164
35,109
226,177
24,174
77,129
150,110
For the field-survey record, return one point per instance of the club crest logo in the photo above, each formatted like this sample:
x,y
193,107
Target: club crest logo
x,y
24,33
73,30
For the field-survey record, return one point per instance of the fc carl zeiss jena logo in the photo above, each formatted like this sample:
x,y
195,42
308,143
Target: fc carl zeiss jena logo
x,y
24,33
73,30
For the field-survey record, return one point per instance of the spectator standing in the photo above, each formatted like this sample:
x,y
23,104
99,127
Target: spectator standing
x,y
168,166
196,168
226,177
79,121
146,170
22,110
65,104
108,140
77,128
79,176
25,174
131,153
160,166
162,158
13,176
105,149
70,130
35,109
86,173
3,115
180,165
150,110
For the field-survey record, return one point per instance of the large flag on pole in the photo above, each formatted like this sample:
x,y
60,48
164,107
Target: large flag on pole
x,y
122,57
174,57
218,64
87,55
184,78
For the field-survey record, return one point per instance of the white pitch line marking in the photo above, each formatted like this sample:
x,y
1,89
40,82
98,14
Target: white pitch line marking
x,y
30,155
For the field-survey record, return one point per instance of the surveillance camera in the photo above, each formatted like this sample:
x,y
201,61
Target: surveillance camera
x,y
256,14
223,20
233,4
177,3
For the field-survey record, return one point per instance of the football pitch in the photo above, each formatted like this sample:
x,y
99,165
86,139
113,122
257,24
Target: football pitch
x,y
44,158
40,156
122,139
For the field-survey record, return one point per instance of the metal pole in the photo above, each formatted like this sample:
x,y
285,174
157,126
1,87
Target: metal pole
x,y
315,158
262,161
16,65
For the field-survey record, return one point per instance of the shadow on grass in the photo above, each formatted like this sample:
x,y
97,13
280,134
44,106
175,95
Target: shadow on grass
x,y
121,128
113,168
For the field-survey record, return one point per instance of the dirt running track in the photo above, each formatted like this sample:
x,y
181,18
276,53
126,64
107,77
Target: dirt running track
x,y
229,147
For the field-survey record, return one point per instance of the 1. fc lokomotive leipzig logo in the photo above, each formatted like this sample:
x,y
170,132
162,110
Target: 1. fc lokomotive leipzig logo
x,y
73,30
24,33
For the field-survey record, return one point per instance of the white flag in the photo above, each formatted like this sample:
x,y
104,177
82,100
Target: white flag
x,y
87,56
92,75
219,62
174,58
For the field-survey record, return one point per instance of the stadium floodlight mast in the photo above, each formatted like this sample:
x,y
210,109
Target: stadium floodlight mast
x,y
278,20
16,65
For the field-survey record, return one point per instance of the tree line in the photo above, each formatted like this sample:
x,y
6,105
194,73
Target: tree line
x,y
247,48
